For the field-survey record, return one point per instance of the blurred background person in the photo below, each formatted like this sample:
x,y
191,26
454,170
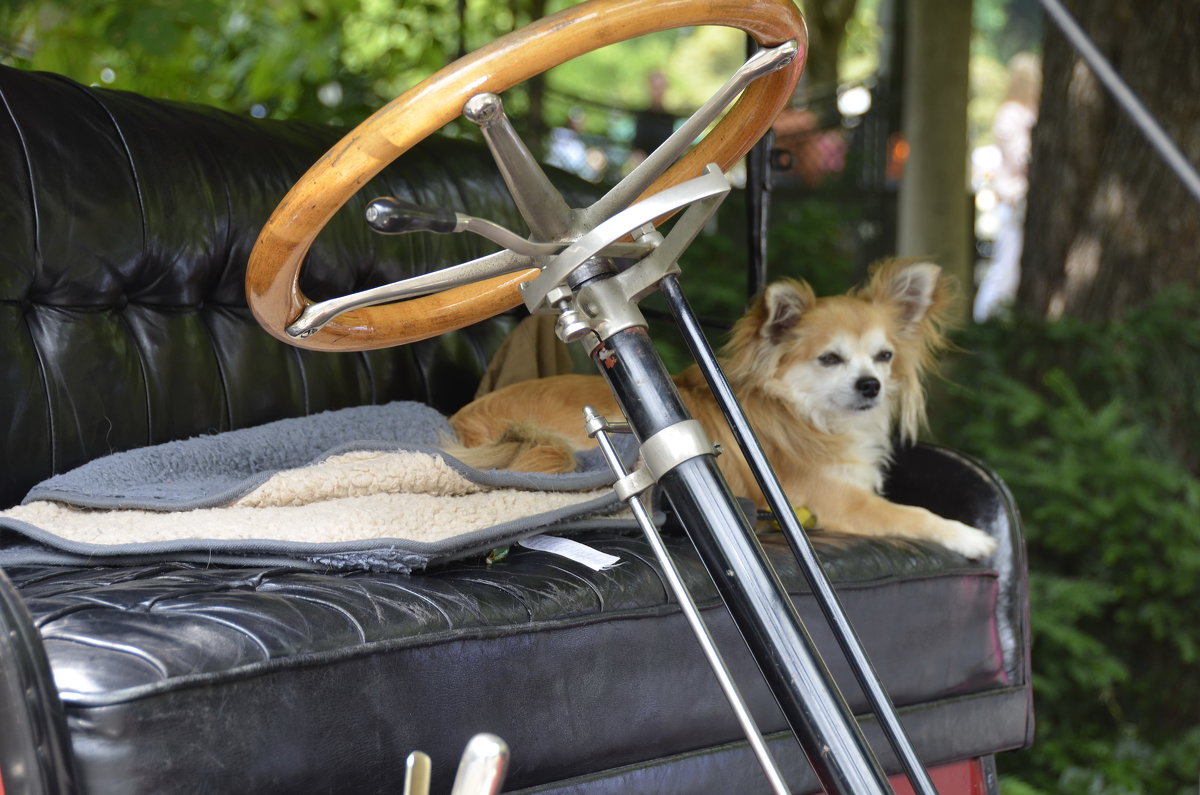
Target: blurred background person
x,y
1012,128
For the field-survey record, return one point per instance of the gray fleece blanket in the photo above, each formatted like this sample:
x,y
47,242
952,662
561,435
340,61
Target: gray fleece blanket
x,y
361,488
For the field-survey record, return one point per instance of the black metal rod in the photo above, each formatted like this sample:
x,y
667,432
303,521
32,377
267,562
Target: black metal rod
x,y
827,598
758,201
761,608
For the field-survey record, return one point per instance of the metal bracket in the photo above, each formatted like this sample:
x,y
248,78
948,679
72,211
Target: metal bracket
x,y
661,453
704,194
673,445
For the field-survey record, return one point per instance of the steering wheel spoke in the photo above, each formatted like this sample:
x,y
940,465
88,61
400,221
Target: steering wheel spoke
x,y
539,202
425,306
638,181
316,316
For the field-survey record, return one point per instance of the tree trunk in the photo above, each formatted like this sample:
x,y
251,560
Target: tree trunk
x,y
1108,225
826,22
935,213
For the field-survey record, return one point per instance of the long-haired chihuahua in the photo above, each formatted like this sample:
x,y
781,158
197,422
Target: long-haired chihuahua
x,y
828,384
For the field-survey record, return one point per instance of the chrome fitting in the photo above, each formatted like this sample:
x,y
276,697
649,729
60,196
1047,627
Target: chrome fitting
x,y
661,453
673,445
482,109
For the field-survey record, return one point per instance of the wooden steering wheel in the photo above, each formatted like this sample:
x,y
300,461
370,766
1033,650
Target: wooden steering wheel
x,y
273,270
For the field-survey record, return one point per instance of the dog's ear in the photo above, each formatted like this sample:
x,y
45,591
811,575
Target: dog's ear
x,y
913,287
785,301
774,314
923,298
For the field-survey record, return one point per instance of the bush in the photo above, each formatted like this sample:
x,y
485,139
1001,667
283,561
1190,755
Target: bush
x,y
1092,428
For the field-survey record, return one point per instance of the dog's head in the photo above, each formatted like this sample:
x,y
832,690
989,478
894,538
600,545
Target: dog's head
x,y
859,356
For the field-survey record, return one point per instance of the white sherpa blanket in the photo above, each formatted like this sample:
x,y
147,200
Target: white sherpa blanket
x,y
308,490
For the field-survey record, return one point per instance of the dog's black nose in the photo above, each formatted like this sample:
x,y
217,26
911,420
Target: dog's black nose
x,y
867,386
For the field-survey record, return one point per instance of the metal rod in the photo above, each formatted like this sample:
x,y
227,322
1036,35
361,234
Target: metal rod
x,y
637,181
315,316
692,613
757,600
826,596
540,203
758,202
1129,102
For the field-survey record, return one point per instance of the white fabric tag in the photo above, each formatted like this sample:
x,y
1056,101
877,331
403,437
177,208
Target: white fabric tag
x,y
594,559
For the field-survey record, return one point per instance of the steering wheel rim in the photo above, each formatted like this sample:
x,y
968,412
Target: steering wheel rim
x,y
273,270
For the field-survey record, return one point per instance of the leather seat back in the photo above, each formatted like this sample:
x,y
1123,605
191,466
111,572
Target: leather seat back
x,y
127,223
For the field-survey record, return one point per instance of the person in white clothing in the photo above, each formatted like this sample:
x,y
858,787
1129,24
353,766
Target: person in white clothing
x,y
1012,129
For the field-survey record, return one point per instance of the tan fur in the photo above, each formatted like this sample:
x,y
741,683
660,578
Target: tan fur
x,y
828,450
521,447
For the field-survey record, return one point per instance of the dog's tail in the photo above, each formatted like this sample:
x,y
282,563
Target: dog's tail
x,y
522,447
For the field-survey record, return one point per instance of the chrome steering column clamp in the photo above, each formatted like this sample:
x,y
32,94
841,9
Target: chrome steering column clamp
x,y
606,306
661,453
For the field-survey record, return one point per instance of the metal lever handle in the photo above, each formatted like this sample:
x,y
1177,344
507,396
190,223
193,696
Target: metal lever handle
x,y
391,216
417,772
482,767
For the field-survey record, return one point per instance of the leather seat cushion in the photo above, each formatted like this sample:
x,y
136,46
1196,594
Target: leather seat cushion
x,y
283,676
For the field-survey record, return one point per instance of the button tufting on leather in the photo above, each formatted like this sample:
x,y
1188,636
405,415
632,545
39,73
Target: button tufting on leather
x,y
153,215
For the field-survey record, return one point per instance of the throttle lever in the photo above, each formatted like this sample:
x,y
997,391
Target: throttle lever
x,y
391,216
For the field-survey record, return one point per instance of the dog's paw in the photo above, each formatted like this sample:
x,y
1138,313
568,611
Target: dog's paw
x,y
967,541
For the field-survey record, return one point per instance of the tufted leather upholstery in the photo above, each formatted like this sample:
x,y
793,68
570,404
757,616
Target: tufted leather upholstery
x,y
122,323
190,679
126,226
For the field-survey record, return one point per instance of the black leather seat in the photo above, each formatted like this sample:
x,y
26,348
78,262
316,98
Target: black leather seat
x,y
123,323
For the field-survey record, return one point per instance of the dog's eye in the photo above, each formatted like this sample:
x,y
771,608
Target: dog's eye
x,y
884,356
829,359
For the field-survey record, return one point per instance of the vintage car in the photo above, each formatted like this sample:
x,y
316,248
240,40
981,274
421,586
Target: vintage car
x,y
138,381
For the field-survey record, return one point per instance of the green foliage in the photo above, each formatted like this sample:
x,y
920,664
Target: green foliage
x,y
861,46
320,60
1082,423
339,60
810,238
334,60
